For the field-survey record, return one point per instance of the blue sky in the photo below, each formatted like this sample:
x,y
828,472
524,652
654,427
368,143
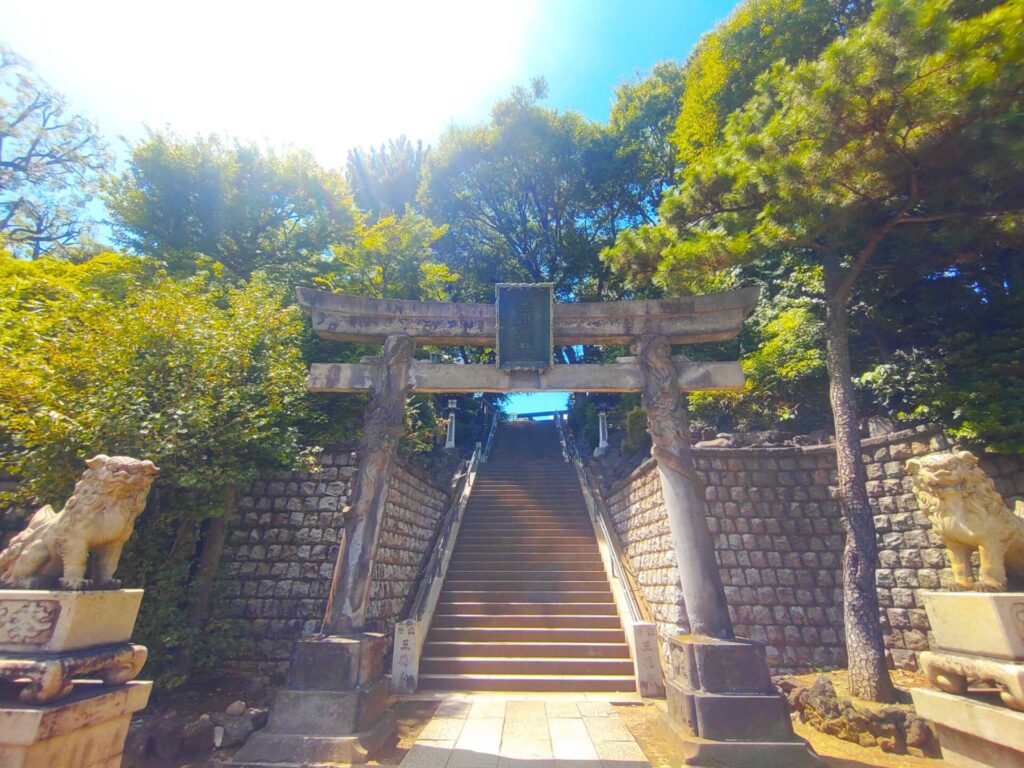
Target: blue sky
x,y
328,76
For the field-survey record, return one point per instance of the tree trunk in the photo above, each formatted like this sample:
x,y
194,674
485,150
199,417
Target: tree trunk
x,y
869,675
209,562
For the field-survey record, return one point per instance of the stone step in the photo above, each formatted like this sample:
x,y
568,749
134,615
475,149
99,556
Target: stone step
x,y
515,518
540,683
493,510
525,536
525,557
525,608
515,547
475,531
467,620
541,500
533,585
517,578
512,665
555,650
514,576
559,594
489,511
525,635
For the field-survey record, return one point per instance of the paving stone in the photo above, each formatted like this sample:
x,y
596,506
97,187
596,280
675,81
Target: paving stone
x,y
482,735
453,708
570,739
428,754
595,708
468,758
628,751
607,729
447,728
561,709
526,710
487,708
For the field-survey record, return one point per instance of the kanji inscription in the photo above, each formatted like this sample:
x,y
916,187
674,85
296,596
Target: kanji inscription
x,y
525,337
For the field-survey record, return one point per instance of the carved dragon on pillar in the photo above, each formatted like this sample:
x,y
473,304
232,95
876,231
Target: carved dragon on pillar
x,y
683,489
382,429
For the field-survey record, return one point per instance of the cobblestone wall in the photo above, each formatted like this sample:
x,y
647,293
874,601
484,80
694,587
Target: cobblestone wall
x,y
282,546
415,506
779,539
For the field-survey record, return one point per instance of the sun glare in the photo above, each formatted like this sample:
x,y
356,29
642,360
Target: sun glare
x,y
322,76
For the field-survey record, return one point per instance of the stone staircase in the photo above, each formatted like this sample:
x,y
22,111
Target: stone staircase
x,y
526,605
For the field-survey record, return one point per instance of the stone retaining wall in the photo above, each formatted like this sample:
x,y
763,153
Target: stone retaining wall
x,y
779,538
281,550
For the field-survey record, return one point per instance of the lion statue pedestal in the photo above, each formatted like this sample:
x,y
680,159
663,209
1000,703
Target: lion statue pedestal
x,y
977,664
56,629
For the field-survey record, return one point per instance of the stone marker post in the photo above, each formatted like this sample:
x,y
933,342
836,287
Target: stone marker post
x,y
602,435
449,442
722,708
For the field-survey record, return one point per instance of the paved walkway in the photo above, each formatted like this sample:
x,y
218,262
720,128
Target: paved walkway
x,y
526,731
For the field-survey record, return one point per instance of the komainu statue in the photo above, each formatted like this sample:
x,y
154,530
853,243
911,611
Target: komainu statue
x,y
81,544
968,513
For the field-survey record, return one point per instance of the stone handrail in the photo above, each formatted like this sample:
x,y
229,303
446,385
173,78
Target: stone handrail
x,y
411,632
490,437
641,631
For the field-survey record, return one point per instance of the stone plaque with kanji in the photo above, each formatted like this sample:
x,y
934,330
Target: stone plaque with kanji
x,y
525,337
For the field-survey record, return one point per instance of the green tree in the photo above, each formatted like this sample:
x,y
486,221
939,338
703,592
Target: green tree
x,y
193,203
641,123
49,161
520,196
384,181
392,259
947,349
890,151
110,356
720,74
717,78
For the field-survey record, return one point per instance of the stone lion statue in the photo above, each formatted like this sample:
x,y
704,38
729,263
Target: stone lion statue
x,y
968,513
81,544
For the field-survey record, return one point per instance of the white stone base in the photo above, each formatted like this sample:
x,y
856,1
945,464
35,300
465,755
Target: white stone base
x,y
978,623
51,621
973,734
85,730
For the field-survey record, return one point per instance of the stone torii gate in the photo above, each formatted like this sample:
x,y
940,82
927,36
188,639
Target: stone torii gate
x,y
524,328
715,680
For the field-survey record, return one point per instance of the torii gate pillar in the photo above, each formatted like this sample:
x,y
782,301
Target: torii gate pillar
x,y
683,489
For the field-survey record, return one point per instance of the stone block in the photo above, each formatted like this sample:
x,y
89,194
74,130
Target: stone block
x,y
694,750
328,713
973,733
978,623
51,621
736,717
337,663
85,730
719,666
279,750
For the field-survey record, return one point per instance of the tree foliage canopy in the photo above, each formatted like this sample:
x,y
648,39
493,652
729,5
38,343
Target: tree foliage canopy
x,y
49,160
191,203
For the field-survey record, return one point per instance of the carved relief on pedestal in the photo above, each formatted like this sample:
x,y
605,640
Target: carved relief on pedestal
x,y
954,672
28,622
